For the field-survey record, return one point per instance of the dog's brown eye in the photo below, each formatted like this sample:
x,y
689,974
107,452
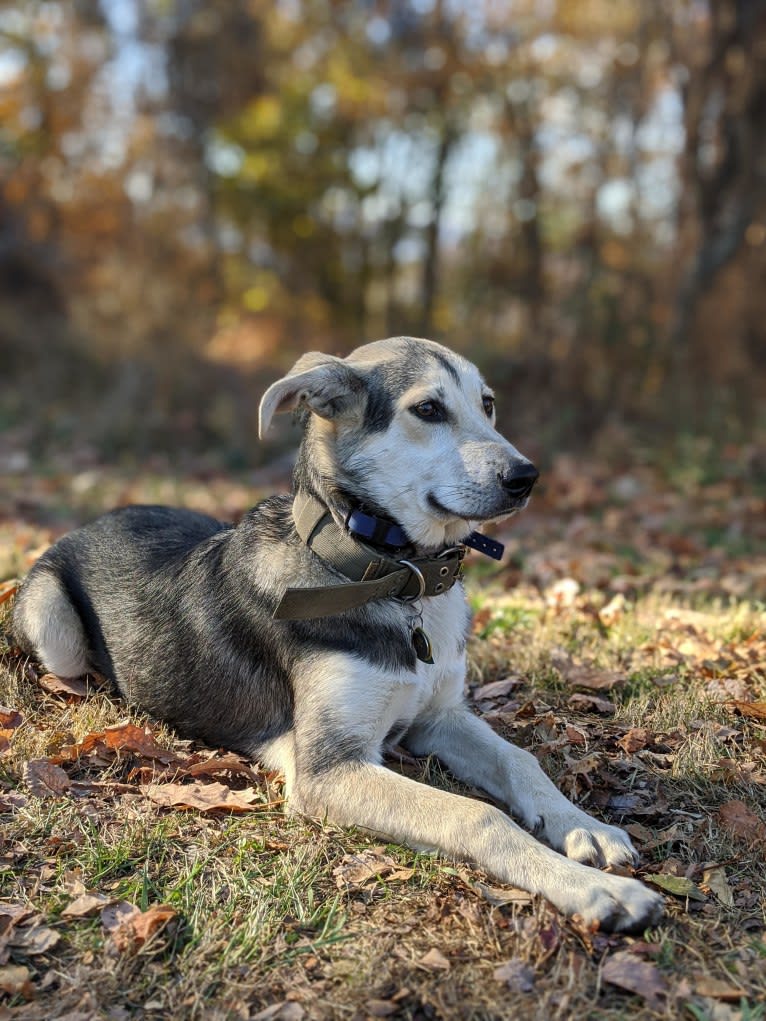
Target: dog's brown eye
x,y
431,411
489,405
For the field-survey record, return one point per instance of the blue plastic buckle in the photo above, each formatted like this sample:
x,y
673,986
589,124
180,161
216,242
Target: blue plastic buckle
x,y
376,530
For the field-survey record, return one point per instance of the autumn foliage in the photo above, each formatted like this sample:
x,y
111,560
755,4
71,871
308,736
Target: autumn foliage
x,y
193,194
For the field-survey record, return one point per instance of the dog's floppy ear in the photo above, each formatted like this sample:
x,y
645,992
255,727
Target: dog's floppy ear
x,y
327,385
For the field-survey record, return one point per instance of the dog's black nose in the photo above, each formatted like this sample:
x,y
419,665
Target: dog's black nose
x,y
518,480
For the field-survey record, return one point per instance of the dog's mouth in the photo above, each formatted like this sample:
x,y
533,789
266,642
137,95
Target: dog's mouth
x,y
496,514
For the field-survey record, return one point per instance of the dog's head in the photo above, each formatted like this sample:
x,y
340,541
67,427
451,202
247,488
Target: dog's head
x,y
406,427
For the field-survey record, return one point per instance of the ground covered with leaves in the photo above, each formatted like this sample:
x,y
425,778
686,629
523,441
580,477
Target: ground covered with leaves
x,y
622,641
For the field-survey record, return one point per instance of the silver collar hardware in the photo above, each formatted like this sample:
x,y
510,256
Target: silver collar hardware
x,y
368,573
421,581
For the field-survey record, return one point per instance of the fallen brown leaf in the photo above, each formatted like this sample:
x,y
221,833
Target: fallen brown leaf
x,y
496,689
127,737
10,718
73,687
14,980
575,735
716,989
204,797
714,880
85,905
103,788
586,703
130,930
12,914
148,922
71,881
497,896
46,780
628,972
7,590
584,766
381,1008
122,737
639,832
742,822
356,870
215,764
34,940
634,740
116,914
434,960
285,1010
588,676
752,710
592,678
516,974
665,836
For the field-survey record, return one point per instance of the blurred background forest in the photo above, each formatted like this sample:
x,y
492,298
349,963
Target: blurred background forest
x,y
572,192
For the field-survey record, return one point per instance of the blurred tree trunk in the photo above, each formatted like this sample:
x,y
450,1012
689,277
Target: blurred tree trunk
x,y
522,125
723,166
431,261
213,71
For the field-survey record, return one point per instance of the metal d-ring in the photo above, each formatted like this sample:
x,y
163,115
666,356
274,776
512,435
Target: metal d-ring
x,y
421,581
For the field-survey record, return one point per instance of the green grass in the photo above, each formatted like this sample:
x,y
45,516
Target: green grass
x,y
261,919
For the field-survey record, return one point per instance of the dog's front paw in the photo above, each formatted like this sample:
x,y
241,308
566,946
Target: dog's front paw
x,y
619,905
586,840
600,845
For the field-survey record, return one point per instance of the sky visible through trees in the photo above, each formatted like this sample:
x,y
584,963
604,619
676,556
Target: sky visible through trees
x,y
571,192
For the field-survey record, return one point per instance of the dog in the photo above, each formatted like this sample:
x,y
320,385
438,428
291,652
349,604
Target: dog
x,y
331,623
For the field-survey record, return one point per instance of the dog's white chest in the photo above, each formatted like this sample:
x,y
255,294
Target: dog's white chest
x,y
444,621
362,697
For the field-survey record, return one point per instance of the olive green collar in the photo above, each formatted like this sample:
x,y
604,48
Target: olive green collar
x,y
370,573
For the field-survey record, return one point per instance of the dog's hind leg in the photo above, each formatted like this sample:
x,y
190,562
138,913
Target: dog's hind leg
x,y
46,623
